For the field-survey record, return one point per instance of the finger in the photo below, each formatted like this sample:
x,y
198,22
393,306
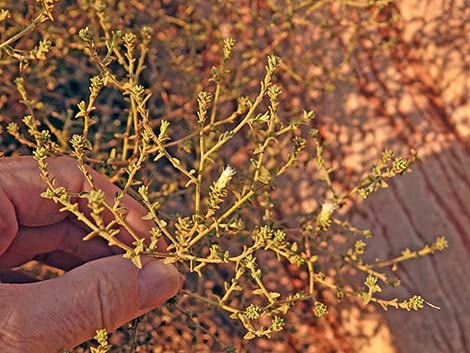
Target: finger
x,y
104,293
65,236
21,186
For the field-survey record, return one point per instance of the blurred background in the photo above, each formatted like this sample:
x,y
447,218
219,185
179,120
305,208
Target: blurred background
x,y
379,74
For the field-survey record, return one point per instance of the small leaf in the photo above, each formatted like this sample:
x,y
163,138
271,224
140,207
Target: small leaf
x,y
169,260
258,291
90,235
294,247
249,336
234,316
137,261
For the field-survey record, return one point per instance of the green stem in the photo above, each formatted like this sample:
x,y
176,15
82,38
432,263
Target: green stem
x,y
210,302
37,20
221,218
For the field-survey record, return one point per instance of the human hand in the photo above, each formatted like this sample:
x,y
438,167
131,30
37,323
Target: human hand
x,y
102,290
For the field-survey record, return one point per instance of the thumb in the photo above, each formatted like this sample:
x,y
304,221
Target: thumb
x,y
63,312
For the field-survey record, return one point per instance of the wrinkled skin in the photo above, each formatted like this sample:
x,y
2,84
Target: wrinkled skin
x,y
100,289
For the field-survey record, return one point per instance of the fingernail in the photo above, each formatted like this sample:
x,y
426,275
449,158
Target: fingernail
x,y
157,282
